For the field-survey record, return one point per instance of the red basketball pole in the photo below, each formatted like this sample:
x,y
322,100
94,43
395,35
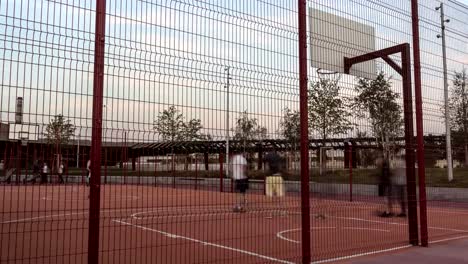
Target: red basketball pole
x,y
419,125
95,181
350,157
405,72
305,202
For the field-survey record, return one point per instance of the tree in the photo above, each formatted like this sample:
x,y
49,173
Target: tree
x,y
377,102
458,110
290,127
327,111
59,132
365,157
171,126
248,129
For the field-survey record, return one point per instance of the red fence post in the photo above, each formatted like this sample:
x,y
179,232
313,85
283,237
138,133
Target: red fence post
x,y
196,172
409,146
221,172
305,202
98,83
350,155
18,162
419,125
105,166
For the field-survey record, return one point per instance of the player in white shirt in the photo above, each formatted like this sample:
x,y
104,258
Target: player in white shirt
x,y
241,181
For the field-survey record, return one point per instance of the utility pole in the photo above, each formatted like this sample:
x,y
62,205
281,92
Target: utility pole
x,y
448,140
227,120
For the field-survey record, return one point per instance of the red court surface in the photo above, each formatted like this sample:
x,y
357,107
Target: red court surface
x,y
145,224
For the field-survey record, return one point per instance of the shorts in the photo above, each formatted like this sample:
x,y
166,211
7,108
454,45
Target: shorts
x,y
242,185
274,186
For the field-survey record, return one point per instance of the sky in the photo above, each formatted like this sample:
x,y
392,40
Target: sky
x,y
163,53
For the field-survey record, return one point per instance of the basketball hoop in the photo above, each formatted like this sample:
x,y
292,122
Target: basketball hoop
x,y
24,142
329,75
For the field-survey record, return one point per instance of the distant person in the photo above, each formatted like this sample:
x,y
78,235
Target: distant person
x,y
60,172
385,183
274,185
274,182
36,173
88,172
398,172
44,173
241,181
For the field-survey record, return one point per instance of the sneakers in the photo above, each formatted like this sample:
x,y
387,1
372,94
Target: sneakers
x,y
402,215
238,209
386,214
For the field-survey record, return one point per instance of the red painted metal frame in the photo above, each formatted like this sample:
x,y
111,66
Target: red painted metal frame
x,y
350,149
405,71
221,172
303,96
95,181
419,125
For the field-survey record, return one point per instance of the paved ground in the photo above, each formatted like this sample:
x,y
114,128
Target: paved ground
x,y
446,253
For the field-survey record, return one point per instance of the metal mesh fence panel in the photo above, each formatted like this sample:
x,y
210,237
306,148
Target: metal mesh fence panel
x,y
152,131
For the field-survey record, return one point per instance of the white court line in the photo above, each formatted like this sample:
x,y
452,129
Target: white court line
x,y
280,234
370,229
447,239
361,254
59,215
205,243
393,223
39,217
86,198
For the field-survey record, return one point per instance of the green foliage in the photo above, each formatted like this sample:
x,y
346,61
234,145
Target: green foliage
x,y
377,102
59,131
458,111
327,111
248,129
172,127
290,126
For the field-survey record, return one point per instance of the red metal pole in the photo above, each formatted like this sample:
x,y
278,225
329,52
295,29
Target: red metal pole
x,y
221,172
305,202
105,166
350,149
98,83
419,125
409,147
196,172
18,162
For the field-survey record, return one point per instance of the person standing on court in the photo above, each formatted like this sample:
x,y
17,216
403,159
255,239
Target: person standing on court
x,y
398,169
274,182
60,172
274,186
88,174
241,181
385,182
44,173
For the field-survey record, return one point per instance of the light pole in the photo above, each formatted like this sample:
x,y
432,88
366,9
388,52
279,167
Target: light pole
x,y
448,140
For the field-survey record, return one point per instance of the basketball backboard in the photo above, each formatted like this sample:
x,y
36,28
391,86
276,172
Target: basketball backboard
x,y
334,37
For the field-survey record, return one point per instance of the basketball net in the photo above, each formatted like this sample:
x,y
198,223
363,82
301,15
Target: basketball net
x,y
331,76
